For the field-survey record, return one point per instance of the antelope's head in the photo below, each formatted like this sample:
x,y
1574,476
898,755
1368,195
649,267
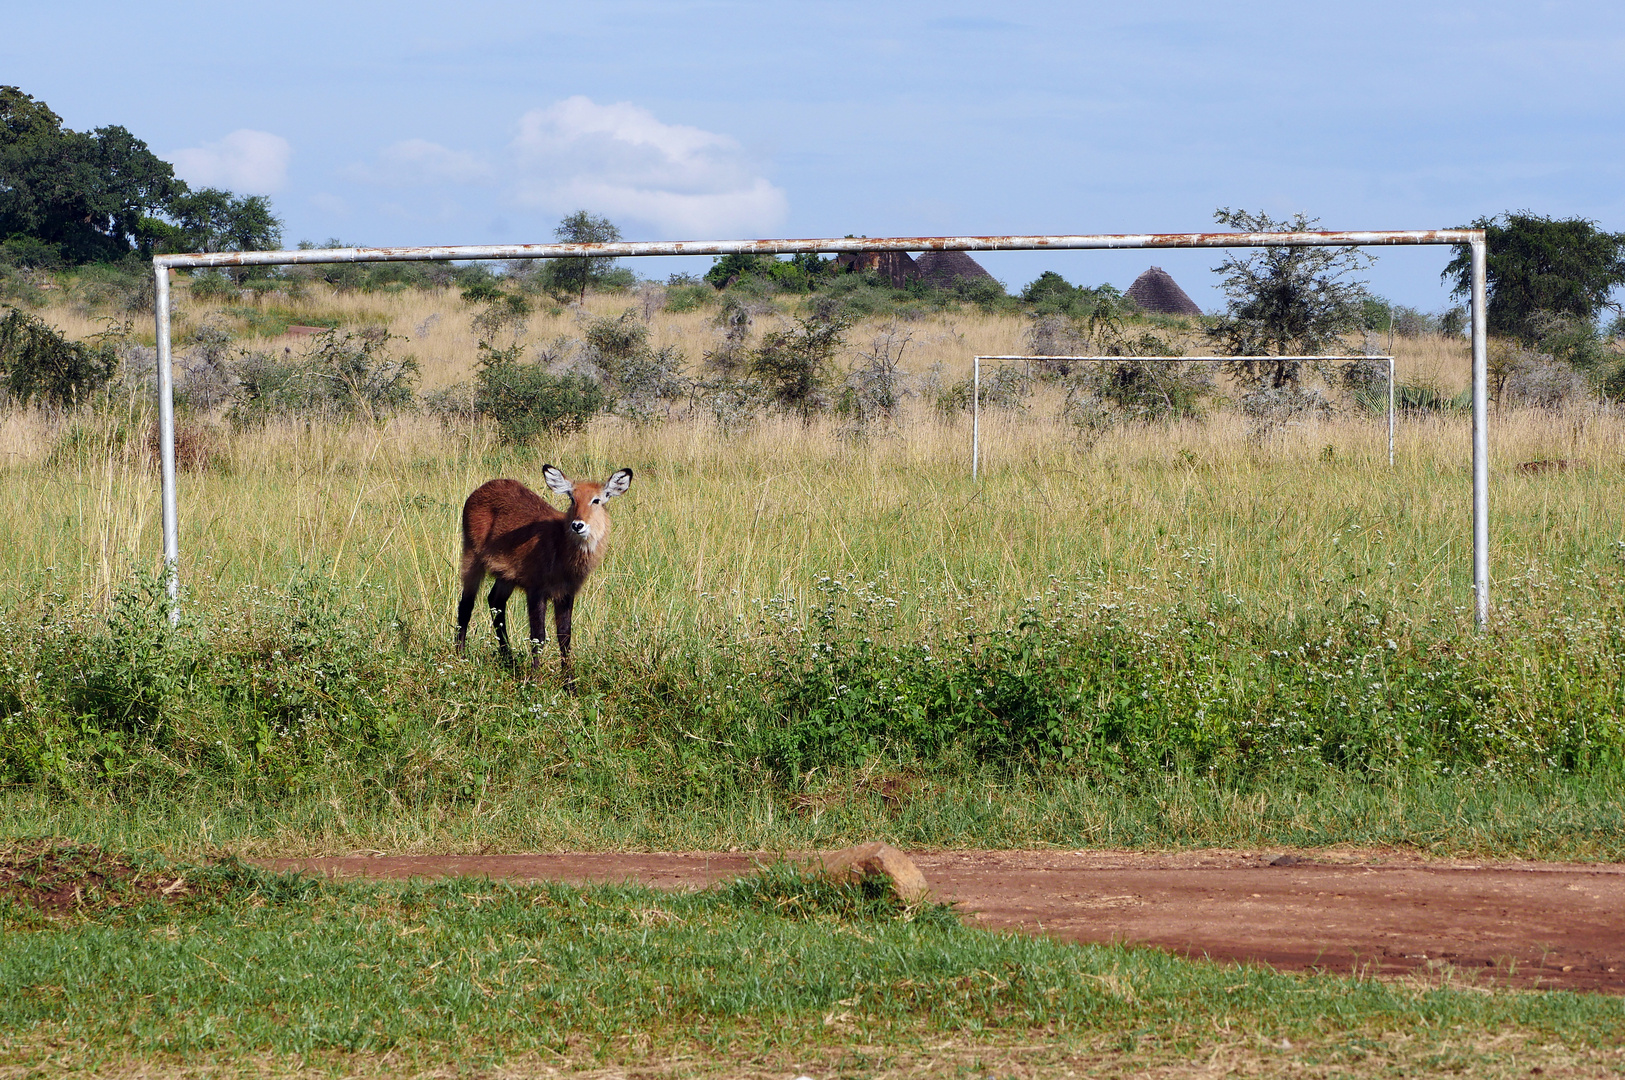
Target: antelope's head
x,y
586,519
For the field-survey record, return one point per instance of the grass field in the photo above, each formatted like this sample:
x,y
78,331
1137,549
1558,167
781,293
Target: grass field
x,y
805,635
1194,610
159,969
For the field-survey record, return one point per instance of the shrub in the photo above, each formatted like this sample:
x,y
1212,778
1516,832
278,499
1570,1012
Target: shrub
x,y
526,401
689,295
1409,322
1004,386
345,375
500,311
794,364
39,365
212,285
642,381
733,403
874,388
205,380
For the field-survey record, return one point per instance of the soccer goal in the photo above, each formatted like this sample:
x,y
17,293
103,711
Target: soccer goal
x,y
976,385
1473,239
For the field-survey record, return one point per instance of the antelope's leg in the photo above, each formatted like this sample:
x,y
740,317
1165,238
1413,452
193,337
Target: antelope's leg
x,y
499,613
563,609
473,574
536,609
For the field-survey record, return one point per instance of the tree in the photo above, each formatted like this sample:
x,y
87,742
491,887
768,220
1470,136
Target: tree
x,y
1538,268
572,276
98,195
210,219
1284,301
85,193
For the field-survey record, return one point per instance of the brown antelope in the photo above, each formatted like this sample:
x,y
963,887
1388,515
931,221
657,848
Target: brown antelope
x,y
513,534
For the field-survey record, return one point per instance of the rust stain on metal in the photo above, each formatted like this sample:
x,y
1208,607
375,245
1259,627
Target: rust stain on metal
x,y
828,245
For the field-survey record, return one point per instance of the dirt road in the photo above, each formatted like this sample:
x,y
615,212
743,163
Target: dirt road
x,y
1523,924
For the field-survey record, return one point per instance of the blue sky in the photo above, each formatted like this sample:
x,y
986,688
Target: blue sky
x,y
410,123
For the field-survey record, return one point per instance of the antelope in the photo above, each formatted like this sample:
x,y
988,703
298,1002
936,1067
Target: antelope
x,y
516,536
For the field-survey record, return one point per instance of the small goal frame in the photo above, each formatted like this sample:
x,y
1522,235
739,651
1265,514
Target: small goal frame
x,y
976,385
1473,239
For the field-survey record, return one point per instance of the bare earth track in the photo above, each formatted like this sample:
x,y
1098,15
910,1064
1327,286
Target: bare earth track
x,y
1559,926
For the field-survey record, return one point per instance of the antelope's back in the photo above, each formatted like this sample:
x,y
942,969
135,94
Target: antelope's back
x,y
502,513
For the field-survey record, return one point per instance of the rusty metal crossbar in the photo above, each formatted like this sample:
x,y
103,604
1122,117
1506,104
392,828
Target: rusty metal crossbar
x,y
976,385
1472,238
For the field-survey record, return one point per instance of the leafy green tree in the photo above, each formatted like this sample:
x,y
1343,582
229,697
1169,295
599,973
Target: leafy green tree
x,y
86,193
1284,301
1537,266
98,195
211,219
571,277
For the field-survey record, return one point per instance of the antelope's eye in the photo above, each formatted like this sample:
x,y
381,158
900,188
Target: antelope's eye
x,y
595,502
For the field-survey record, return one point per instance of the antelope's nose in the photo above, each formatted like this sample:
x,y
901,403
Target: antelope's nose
x,y
578,526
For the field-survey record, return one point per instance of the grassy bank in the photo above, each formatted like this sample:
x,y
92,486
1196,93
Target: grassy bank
x,y
176,969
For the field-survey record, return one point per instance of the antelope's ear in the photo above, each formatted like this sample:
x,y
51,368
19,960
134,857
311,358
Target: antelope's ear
x,y
617,484
557,481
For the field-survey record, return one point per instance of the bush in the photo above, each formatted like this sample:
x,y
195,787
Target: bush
x,y
794,364
1004,386
874,388
39,365
687,294
346,375
212,285
526,401
643,382
205,380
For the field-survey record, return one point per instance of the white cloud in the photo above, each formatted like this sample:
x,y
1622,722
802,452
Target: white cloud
x,y
416,162
615,160
246,161
620,161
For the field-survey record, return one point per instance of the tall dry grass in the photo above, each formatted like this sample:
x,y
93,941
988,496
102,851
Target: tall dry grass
x,y
718,525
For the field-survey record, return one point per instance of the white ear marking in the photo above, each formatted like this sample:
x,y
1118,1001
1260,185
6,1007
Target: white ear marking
x,y
557,481
618,483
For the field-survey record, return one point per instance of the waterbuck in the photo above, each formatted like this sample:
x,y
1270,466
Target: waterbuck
x,y
512,533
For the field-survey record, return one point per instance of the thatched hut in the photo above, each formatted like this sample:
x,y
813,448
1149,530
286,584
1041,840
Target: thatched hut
x,y
1155,292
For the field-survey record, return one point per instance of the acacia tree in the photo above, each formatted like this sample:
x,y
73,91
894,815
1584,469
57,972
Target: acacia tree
x,y
1538,268
1285,301
572,276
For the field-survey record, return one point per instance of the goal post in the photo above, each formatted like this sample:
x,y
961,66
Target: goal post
x,y
976,385
1473,239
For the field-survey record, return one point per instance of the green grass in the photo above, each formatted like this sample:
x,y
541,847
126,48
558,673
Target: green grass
x,y
271,973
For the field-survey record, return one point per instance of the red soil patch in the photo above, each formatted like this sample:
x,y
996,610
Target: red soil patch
x,y
58,879
1519,924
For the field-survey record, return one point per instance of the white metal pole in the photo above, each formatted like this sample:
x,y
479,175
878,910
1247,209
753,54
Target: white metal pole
x,y
975,417
166,442
1390,412
1481,441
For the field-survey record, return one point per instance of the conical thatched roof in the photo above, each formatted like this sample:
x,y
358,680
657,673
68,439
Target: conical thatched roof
x,y
943,268
1160,294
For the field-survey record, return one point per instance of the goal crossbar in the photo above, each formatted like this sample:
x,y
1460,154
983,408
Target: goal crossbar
x,y
1473,239
976,385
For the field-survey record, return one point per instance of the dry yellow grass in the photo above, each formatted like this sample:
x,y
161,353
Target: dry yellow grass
x,y
717,525
435,326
